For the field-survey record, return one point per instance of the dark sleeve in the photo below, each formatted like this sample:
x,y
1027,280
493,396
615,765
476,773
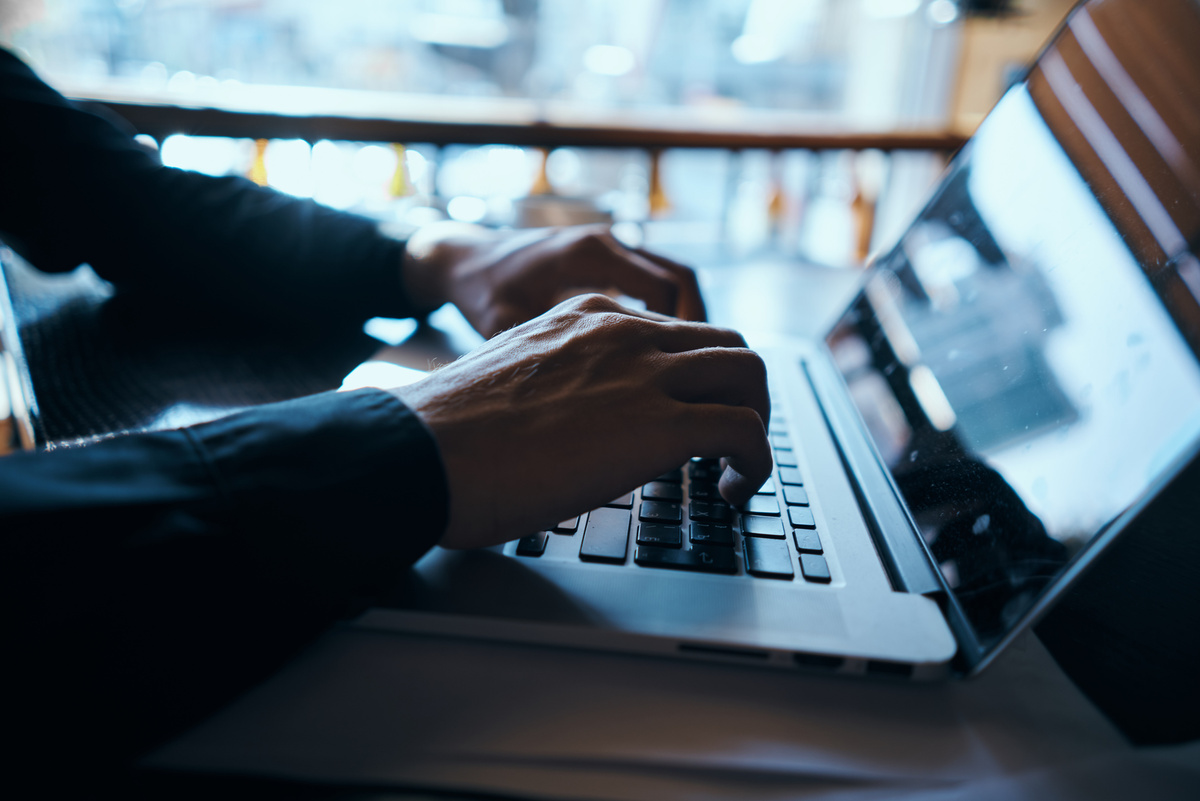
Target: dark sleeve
x,y
74,188
152,577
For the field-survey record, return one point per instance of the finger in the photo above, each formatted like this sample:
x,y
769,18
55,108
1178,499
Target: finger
x,y
737,434
729,376
605,262
676,337
672,336
689,305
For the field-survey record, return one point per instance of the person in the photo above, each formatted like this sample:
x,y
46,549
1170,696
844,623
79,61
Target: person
x,y
151,577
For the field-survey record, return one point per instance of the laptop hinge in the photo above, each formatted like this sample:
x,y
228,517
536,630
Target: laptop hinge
x,y
904,556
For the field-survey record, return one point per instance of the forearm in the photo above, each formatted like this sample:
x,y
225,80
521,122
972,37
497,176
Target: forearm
x,y
78,189
312,484
151,578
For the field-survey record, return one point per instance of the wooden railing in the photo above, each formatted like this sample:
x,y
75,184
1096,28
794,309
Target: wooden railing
x,y
162,120
323,114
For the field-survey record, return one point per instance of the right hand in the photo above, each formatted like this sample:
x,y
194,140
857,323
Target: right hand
x,y
572,409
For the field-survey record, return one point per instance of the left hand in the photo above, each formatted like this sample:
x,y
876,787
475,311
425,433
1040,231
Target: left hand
x,y
502,279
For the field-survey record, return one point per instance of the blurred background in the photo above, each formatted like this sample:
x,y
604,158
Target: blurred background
x,y
733,69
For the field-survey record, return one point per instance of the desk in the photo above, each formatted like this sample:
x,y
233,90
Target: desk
x,y
365,707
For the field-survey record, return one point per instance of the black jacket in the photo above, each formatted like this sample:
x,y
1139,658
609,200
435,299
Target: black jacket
x,y
151,577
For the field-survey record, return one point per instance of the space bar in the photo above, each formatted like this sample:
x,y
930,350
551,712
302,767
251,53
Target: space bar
x,y
709,560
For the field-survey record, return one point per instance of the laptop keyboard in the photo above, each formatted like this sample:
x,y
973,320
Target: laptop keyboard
x,y
679,521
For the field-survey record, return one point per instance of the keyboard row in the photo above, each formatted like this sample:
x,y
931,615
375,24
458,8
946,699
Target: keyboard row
x,y
682,523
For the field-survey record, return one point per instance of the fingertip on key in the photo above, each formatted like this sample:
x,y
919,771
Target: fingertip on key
x,y
735,488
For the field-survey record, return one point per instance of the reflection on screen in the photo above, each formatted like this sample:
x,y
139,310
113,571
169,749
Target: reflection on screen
x,y
1017,369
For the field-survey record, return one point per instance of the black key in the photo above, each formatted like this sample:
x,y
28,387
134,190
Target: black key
x,y
807,540
708,470
762,527
567,526
533,545
768,558
708,560
762,505
801,517
606,535
790,475
815,568
661,512
711,512
702,490
712,535
781,441
768,488
659,534
795,496
672,476
662,491
786,458
624,502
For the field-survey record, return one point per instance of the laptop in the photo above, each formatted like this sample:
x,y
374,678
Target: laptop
x,y
1016,381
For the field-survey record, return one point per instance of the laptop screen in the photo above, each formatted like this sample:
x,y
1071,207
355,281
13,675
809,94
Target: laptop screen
x,y
1026,357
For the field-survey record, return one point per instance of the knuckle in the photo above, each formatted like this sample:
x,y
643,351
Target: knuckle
x,y
755,364
590,240
748,420
732,336
594,302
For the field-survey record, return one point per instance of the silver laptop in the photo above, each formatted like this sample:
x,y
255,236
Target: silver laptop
x,y
1015,382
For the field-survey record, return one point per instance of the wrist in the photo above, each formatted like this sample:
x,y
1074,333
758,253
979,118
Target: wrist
x,y
430,256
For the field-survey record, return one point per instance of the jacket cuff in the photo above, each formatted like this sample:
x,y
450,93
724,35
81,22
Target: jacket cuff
x,y
343,488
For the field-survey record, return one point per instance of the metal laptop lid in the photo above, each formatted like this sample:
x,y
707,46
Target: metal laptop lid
x,y
1025,359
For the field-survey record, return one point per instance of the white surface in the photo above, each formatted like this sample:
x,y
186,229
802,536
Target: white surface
x,y
372,707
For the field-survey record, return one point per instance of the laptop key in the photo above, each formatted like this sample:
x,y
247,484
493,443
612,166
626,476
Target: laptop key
x,y
762,527
786,458
567,526
708,560
662,491
703,491
661,512
801,517
768,558
795,496
807,541
707,470
815,568
606,535
711,512
768,487
781,441
659,534
712,535
623,502
790,475
533,545
762,505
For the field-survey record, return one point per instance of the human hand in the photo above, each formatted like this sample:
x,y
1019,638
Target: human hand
x,y
501,279
570,410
